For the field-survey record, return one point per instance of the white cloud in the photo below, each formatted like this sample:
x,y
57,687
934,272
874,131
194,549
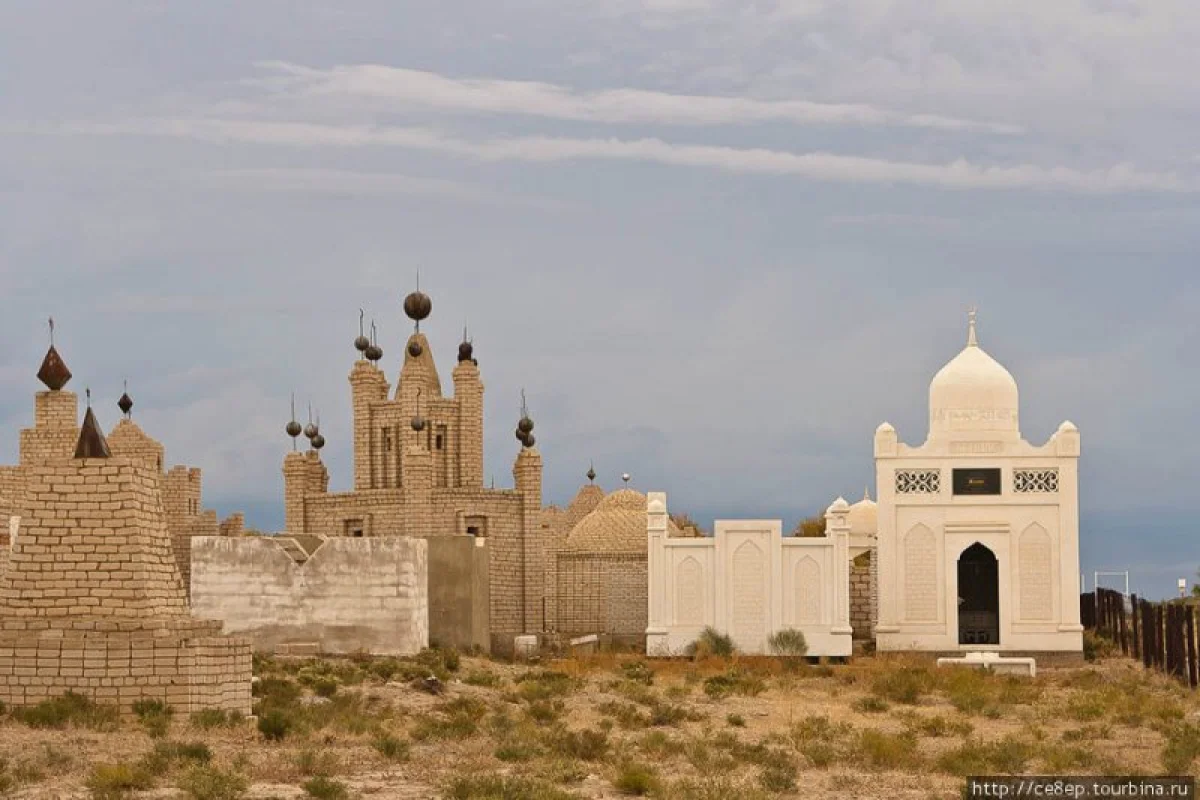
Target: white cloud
x,y
406,88
958,174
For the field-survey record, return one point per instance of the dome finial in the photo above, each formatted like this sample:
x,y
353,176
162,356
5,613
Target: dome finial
x,y
971,340
867,493
591,473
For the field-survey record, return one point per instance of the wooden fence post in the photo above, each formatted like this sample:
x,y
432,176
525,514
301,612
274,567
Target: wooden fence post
x,y
1133,622
1193,667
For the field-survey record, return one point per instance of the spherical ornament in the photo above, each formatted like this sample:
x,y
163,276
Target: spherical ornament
x,y
464,352
311,430
414,349
528,441
361,344
417,306
373,352
293,429
625,477
318,442
525,425
520,435
418,424
475,361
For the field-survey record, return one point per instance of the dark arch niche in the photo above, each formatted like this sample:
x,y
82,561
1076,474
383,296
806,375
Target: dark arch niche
x,y
978,596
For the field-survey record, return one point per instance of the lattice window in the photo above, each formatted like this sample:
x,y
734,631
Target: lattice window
x,y
918,481
1027,481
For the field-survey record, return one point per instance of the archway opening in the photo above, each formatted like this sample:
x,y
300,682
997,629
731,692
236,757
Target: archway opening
x,y
978,596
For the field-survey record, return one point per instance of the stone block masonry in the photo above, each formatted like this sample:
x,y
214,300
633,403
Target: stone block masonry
x,y
92,601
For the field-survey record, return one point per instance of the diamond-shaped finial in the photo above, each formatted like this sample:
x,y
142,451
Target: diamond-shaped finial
x,y
591,473
126,402
53,372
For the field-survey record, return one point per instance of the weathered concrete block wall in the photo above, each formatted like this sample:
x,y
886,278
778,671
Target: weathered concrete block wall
x,y
861,617
351,595
182,662
459,609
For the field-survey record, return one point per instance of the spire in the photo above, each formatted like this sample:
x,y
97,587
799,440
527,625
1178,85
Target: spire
x,y
971,340
92,443
866,494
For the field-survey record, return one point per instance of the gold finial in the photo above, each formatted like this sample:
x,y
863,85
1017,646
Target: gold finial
x,y
971,340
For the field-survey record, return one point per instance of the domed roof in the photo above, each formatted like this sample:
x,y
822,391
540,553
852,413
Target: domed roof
x,y
616,525
863,517
973,393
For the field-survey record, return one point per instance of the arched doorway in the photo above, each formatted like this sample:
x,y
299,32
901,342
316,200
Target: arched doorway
x,y
978,596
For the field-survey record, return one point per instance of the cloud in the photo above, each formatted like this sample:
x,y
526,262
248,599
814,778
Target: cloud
x,y
958,174
415,88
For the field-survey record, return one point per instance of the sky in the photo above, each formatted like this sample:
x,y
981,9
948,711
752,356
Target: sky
x,y
715,242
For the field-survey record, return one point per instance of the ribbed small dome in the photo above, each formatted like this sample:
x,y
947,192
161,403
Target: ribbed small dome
x,y
616,525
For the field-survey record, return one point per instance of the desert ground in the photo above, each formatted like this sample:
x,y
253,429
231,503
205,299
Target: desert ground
x,y
609,725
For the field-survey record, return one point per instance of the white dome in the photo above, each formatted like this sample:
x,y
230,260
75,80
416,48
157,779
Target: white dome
x,y
864,517
973,393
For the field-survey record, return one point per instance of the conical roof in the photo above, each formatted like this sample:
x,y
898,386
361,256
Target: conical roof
x,y
92,443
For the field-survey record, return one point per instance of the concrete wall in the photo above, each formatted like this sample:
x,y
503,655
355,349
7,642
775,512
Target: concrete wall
x,y
748,581
458,592
351,595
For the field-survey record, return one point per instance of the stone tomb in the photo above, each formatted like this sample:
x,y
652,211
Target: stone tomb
x,y
993,661
92,602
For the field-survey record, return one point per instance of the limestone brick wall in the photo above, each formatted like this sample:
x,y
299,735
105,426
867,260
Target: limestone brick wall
x,y
860,596
93,542
56,427
601,594
527,477
233,525
350,595
468,392
183,662
556,525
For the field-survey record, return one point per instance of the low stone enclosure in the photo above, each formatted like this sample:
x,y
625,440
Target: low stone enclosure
x,y
386,595
748,581
91,600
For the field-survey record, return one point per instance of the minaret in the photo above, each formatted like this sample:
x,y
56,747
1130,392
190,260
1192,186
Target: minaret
x,y
527,478
367,385
468,392
55,431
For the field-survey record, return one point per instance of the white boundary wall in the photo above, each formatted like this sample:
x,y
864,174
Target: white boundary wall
x,y
748,581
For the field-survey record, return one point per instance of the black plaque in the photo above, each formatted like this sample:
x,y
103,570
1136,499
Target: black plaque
x,y
985,480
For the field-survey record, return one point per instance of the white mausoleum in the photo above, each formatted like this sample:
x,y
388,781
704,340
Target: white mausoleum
x,y
978,530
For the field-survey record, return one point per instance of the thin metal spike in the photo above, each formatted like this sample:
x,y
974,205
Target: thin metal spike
x,y
88,392
361,314
52,331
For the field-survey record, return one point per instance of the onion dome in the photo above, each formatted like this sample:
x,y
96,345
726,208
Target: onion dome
x,y
973,393
464,351
417,306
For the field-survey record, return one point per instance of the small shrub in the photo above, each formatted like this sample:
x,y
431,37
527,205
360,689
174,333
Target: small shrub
x,y
69,709
216,718
733,681
274,725
778,779
735,720
888,750
391,747
311,763
484,678
279,691
155,717
711,642
210,783
1096,647
545,685
871,705
323,788
658,743
117,781
545,712
516,750
902,685
1008,756
788,642
325,687
820,741
637,780
165,755
585,745
1181,749
638,672
499,787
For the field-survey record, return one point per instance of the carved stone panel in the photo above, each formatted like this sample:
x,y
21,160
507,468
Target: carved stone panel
x,y
920,575
808,592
